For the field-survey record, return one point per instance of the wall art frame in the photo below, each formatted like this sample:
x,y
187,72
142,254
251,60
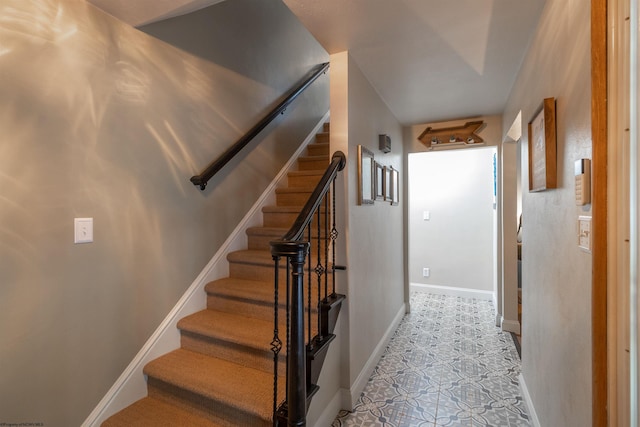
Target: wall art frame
x,y
379,181
395,187
365,176
542,148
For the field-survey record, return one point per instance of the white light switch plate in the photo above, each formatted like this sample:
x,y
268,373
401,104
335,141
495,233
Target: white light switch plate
x,y
83,230
584,233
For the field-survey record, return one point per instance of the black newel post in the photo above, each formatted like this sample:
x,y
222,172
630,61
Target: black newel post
x,y
297,381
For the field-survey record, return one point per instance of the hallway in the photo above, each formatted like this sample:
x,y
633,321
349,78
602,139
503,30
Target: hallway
x,y
446,365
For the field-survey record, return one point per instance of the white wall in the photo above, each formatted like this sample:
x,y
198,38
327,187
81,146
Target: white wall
x,y
556,312
456,243
101,120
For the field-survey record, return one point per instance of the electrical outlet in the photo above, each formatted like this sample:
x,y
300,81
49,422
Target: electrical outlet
x,y
426,272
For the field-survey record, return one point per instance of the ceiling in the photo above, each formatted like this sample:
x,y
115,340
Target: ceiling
x,y
430,60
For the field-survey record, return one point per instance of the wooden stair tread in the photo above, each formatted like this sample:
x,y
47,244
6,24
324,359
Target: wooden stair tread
x,y
231,328
246,389
150,412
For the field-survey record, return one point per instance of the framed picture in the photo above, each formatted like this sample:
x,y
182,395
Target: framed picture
x,y
379,181
365,176
386,184
542,148
395,187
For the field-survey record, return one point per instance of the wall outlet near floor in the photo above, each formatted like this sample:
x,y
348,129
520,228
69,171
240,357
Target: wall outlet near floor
x,y
426,272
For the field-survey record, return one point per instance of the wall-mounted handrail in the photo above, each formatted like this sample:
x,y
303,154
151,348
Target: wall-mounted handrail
x,y
202,179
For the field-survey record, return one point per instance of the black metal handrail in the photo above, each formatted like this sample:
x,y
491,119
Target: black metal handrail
x,y
295,248
202,179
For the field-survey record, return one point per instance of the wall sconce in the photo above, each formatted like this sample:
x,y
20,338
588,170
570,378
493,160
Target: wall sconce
x,y
384,143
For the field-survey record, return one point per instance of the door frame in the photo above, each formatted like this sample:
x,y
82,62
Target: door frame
x,y
599,128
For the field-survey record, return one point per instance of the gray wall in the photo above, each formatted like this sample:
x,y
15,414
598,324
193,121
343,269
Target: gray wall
x,y
374,248
101,120
556,274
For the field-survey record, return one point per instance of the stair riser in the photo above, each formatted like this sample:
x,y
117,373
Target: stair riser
x,y
259,272
262,311
212,409
284,219
263,243
304,180
292,199
257,309
250,357
309,165
322,137
255,272
319,149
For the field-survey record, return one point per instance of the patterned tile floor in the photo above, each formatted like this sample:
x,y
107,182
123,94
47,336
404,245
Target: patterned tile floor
x,y
446,365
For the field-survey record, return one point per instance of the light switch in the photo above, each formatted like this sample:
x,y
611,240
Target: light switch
x,y
584,233
426,215
83,230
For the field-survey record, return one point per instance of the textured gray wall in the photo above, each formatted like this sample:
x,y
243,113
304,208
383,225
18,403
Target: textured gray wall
x,y
101,120
556,274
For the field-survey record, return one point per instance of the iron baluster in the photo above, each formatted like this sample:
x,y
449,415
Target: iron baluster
x,y
276,343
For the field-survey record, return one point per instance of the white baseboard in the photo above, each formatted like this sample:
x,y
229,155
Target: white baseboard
x,y
453,291
131,385
330,412
510,326
535,422
352,396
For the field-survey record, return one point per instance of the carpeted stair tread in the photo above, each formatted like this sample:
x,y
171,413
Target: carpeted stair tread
x,y
289,190
313,158
150,412
245,389
267,231
249,290
231,328
286,209
282,209
251,256
317,173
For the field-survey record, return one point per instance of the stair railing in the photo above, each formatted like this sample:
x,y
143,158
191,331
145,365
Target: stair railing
x,y
202,179
315,224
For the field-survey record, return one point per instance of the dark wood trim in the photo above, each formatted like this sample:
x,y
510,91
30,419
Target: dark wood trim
x,y
599,211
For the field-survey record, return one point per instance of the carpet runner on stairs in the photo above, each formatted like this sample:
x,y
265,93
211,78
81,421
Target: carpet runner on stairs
x,y
222,376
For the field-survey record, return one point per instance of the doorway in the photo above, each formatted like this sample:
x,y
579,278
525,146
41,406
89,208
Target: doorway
x,y
453,222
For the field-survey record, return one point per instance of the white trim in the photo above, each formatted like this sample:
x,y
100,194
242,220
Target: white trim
x,y
331,410
535,422
453,291
131,385
359,384
510,326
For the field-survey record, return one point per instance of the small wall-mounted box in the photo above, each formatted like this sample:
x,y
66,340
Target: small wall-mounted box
x,y
583,181
384,143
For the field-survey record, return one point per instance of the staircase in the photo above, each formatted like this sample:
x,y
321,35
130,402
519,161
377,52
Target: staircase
x,y
222,375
